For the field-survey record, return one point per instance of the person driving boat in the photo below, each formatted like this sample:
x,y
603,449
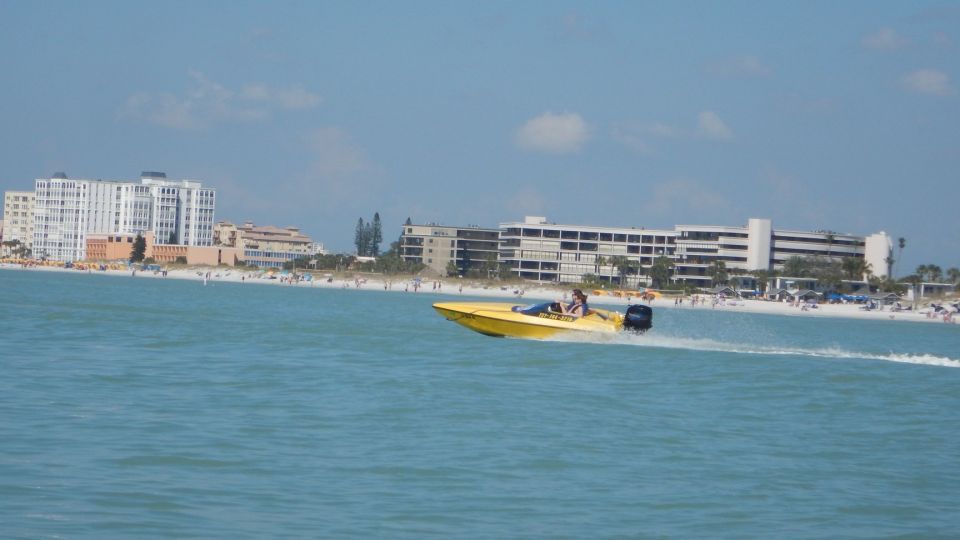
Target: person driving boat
x,y
577,308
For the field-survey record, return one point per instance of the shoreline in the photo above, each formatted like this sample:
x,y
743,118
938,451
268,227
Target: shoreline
x,y
519,293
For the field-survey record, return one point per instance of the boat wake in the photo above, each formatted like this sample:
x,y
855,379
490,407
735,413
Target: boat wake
x,y
710,345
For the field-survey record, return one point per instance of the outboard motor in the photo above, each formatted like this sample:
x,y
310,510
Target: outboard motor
x,y
639,318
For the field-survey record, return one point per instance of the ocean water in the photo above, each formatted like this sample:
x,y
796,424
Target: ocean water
x,y
150,408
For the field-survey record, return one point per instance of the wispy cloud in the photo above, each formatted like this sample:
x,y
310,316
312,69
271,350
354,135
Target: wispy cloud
x,y
929,82
679,197
885,39
334,153
633,140
526,201
206,103
553,133
639,138
580,27
336,175
740,66
643,138
942,39
710,126
295,97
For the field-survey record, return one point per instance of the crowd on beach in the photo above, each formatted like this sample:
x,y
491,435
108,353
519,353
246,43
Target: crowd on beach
x,y
946,311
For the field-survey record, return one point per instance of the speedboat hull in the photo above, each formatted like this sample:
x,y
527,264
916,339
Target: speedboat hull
x,y
530,322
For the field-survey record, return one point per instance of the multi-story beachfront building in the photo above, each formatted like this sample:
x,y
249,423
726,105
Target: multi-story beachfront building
x,y
181,212
18,217
537,250
265,246
472,249
758,246
66,210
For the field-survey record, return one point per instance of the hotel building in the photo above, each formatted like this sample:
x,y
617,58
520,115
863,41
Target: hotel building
x,y
758,246
265,246
66,210
547,252
18,217
181,212
472,249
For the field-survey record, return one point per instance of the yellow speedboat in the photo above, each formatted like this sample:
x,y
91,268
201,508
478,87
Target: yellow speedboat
x,y
539,321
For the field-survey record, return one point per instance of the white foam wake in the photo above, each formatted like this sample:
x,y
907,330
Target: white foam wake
x,y
694,344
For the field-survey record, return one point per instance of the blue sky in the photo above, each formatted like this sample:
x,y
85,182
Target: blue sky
x,y
818,115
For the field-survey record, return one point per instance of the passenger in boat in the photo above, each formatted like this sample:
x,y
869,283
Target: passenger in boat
x,y
577,308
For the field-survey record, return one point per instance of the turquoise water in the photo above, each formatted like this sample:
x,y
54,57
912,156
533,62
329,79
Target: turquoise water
x,y
148,408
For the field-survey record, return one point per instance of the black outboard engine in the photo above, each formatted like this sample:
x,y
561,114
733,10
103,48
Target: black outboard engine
x,y
639,318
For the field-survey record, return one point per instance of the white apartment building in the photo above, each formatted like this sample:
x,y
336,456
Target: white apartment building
x,y
537,250
758,246
548,252
181,212
66,210
18,217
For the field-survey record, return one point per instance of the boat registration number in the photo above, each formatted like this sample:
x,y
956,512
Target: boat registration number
x,y
556,317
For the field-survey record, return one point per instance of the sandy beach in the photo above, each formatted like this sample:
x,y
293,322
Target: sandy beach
x,y
514,292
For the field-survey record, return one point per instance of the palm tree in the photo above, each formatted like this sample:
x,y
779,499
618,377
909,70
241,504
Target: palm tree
x,y
718,272
902,243
660,272
921,272
13,245
856,268
796,266
936,273
763,276
624,266
953,274
830,238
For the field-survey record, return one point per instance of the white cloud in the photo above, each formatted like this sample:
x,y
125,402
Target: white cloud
x,y
885,39
741,66
553,133
710,126
207,102
929,82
